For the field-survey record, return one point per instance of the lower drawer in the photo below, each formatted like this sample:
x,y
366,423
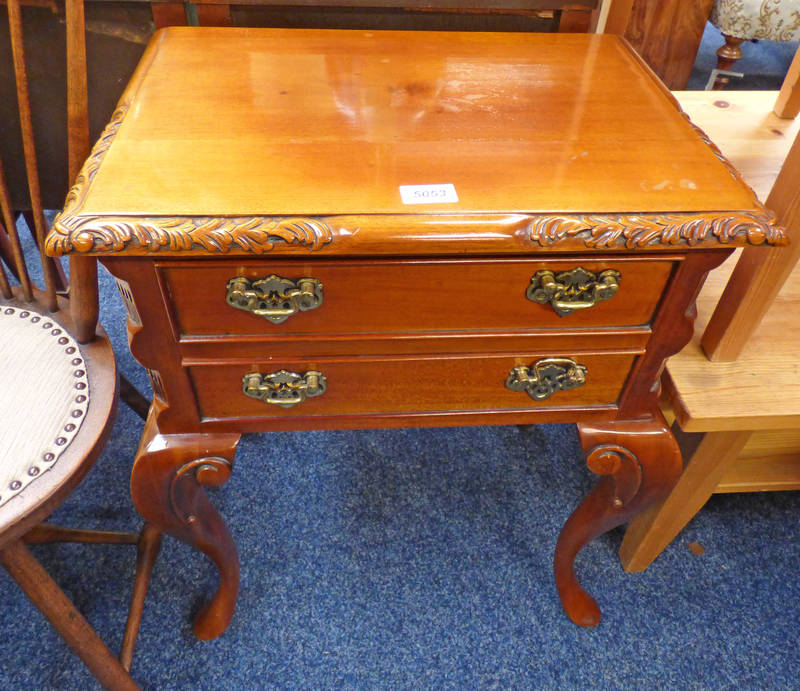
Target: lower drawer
x,y
352,386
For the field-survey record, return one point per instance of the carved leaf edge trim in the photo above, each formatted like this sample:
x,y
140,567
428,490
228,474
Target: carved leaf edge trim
x,y
72,232
763,214
106,234
257,235
643,230
77,192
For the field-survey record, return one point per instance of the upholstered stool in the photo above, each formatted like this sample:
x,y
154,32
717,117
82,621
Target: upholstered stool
x,y
745,20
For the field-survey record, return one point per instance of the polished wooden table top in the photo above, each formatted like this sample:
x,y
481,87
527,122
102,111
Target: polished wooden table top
x,y
314,122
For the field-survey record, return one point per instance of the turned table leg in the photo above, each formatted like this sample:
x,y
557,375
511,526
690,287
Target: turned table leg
x,y
639,462
727,55
167,483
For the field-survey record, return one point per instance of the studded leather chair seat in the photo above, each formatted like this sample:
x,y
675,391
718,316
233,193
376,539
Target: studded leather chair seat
x,y
43,370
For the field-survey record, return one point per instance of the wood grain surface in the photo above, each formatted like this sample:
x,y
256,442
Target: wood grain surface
x,y
393,108
410,296
667,34
758,276
771,473
408,384
741,123
759,390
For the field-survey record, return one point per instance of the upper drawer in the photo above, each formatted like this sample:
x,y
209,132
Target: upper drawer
x,y
413,295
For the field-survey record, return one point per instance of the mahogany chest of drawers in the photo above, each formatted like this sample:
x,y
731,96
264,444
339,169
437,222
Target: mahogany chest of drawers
x,y
333,229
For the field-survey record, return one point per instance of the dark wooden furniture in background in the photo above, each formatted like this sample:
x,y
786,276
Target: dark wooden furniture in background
x,y
560,15
276,278
58,386
667,34
115,39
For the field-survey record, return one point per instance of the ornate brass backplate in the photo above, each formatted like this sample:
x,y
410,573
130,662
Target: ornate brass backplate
x,y
577,289
284,388
544,377
273,297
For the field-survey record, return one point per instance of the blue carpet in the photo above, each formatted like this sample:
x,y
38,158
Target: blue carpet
x,y
418,559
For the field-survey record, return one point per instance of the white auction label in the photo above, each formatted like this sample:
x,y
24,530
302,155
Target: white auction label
x,y
429,194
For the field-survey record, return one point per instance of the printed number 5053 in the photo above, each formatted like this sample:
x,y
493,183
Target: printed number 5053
x,y
429,194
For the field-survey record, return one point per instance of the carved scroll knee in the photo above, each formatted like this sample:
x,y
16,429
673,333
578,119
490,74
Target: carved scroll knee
x,y
638,463
167,487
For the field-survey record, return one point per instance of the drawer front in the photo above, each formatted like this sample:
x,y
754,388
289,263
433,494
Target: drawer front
x,y
412,296
351,386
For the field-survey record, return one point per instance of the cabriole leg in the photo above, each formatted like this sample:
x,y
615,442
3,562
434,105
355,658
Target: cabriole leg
x,y
167,483
639,463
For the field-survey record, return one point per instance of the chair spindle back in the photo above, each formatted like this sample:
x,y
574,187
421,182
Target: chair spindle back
x,y
83,270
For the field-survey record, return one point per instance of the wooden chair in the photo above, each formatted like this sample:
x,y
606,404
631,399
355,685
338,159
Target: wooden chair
x,y
58,390
735,399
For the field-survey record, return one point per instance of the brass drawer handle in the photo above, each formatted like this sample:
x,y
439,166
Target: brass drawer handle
x,y
544,377
284,388
577,289
273,297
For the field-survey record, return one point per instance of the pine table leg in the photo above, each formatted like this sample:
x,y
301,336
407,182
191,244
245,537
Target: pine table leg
x,y
649,533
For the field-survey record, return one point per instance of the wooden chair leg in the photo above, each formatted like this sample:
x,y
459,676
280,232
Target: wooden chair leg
x,y
61,613
133,397
727,56
149,545
45,533
148,542
649,533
